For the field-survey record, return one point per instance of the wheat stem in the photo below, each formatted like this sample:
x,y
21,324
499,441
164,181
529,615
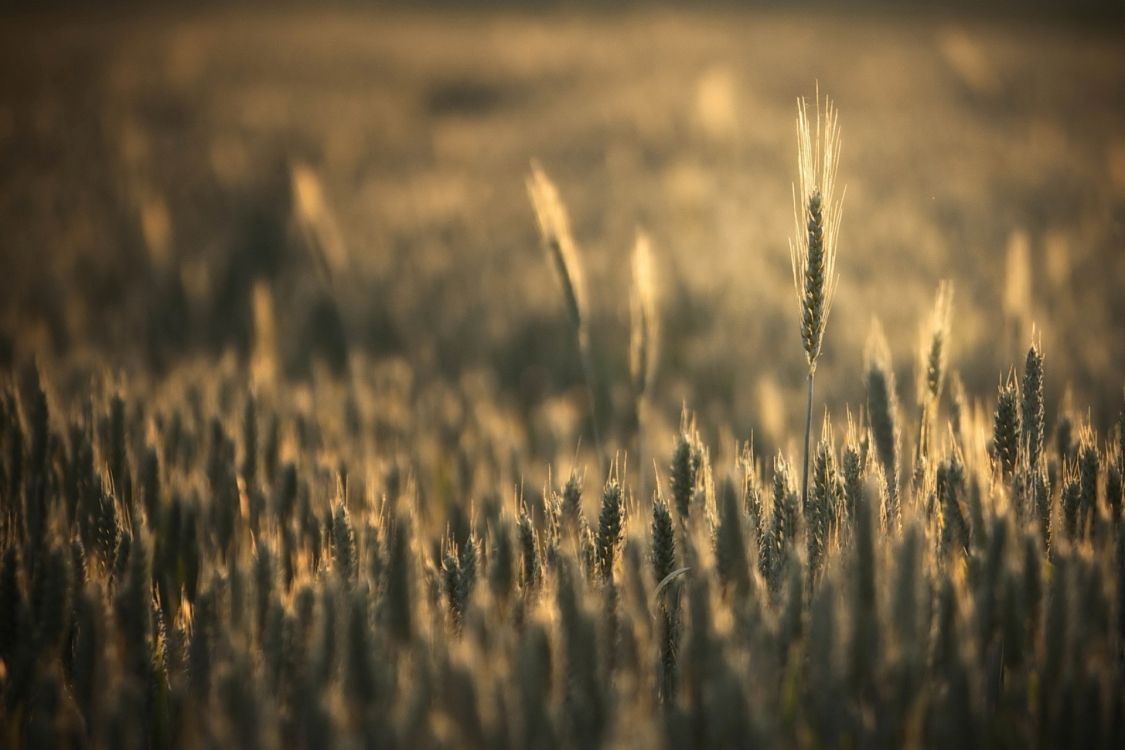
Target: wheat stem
x,y
808,437
588,375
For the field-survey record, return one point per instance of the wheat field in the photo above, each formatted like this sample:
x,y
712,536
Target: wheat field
x,y
562,378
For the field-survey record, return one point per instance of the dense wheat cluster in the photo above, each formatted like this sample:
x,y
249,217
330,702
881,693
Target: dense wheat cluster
x,y
221,558
277,519
200,563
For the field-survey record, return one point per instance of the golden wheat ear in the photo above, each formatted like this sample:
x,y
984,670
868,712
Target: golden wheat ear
x,y
812,251
817,211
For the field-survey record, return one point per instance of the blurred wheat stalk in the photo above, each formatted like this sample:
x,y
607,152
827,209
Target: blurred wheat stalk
x,y
558,242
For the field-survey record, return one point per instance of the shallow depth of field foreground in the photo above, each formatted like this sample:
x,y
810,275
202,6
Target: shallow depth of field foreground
x,y
561,378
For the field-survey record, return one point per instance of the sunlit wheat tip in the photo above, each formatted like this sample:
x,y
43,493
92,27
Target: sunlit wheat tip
x,y
817,212
554,230
1006,426
644,331
936,353
687,460
1032,406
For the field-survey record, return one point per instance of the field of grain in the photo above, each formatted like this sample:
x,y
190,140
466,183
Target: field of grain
x,y
437,379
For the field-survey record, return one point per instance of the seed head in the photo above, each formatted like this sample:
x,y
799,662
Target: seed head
x,y
816,210
663,540
554,229
1033,410
610,527
644,335
687,460
1006,427
935,354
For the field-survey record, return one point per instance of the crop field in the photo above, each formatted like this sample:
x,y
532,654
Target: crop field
x,y
561,378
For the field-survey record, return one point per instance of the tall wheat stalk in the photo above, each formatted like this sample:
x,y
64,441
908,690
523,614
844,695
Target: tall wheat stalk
x,y
931,371
882,414
816,212
644,341
554,229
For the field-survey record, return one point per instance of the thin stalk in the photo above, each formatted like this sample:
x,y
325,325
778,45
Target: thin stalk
x,y
642,414
554,228
808,435
588,373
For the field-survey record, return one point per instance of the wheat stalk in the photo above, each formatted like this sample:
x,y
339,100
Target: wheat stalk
x,y
812,251
558,242
1032,408
932,358
882,411
644,340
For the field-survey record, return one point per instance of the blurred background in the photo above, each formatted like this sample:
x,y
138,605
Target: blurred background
x,y
303,188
